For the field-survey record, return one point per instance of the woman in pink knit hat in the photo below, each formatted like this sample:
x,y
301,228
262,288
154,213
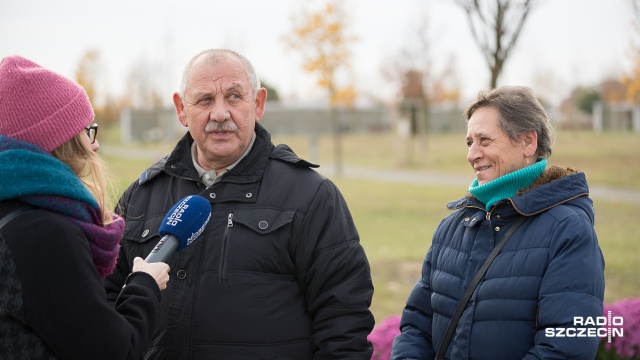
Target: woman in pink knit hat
x,y
57,238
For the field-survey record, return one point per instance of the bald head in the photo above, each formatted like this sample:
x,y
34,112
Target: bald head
x,y
215,56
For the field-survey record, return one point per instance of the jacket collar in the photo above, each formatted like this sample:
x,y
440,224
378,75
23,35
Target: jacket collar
x,y
251,169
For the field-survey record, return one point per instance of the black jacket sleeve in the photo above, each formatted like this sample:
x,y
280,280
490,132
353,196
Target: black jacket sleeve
x,y
336,278
64,299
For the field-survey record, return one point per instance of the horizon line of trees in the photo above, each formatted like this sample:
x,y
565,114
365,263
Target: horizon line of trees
x,y
323,40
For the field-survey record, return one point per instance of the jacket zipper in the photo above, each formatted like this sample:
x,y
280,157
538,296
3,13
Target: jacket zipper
x,y
488,216
495,206
225,238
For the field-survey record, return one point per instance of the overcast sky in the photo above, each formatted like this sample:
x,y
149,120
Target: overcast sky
x,y
570,42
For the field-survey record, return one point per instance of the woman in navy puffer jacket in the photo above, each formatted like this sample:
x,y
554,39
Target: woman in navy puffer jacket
x,y
549,273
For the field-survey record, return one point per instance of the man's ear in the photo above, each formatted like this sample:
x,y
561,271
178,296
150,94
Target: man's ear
x,y
179,105
261,99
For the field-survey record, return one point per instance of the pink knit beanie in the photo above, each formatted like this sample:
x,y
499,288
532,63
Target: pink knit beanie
x,y
40,106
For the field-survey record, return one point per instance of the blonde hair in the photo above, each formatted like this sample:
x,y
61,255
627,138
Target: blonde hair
x,y
91,169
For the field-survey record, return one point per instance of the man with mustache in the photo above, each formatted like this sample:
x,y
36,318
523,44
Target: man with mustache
x,y
279,272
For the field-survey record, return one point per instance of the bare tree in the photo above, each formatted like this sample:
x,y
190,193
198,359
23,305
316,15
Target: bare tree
x,y
496,25
414,57
420,85
142,86
636,8
410,69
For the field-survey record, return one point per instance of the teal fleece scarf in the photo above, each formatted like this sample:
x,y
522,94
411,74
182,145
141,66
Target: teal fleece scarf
x,y
508,185
33,176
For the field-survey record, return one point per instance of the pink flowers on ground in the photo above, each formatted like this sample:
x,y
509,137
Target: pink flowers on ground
x,y
382,337
626,346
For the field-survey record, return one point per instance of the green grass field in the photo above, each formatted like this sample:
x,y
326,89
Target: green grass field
x,y
396,220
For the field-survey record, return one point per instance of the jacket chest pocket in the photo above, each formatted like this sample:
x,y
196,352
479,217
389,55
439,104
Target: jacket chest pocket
x,y
258,241
141,236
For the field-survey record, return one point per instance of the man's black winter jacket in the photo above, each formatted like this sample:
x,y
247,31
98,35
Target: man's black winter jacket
x,y
279,272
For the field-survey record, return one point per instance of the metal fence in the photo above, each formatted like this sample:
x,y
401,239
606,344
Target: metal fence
x,y
162,125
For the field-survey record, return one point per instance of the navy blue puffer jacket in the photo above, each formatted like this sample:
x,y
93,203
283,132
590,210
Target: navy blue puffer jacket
x,y
550,271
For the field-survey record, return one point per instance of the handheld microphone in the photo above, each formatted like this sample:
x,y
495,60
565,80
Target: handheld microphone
x,y
181,226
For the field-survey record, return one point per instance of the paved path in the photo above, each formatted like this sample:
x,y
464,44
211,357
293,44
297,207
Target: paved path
x,y
425,177
395,176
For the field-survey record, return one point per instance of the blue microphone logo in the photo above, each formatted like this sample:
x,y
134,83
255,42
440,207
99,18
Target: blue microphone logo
x,y
176,216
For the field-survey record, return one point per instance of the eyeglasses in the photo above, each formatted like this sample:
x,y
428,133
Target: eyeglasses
x,y
92,132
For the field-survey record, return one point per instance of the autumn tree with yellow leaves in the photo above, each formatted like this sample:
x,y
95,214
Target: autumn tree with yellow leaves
x,y
86,73
632,79
321,37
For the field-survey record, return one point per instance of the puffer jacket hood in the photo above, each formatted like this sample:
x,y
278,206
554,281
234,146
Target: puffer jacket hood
x,y
546,192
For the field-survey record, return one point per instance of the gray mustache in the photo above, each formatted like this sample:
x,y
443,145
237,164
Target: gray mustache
x,y
226,125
